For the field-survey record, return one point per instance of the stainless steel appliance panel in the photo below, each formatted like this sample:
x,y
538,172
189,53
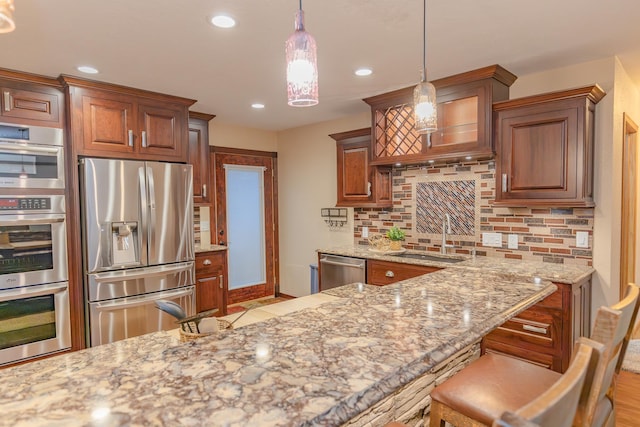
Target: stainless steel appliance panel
x,y
34,321
33,246
114,197
31,157
136,281
170,198
338,270
123,318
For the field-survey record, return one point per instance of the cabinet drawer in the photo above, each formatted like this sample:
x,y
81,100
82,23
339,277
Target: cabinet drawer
x,y
384,272
541,335
541,359
209,263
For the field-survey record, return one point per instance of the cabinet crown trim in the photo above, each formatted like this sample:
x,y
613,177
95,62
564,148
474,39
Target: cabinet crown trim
x,y
21,76
201,116
495,72
593,92
68,80
351,133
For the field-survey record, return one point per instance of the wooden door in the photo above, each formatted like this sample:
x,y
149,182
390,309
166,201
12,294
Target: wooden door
x,y
629,203
221,159
538,153
161,132
198,155
108,125
31,105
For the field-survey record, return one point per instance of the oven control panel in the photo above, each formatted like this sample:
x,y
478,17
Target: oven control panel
x,y
25,203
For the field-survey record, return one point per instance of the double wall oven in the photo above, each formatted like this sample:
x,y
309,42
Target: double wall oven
x,y
34,290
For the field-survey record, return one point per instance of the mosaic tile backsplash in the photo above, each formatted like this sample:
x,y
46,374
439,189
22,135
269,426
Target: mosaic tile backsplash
x,y
423,195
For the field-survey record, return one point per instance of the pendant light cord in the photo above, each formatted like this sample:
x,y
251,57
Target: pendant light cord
x,y
424,40
300,4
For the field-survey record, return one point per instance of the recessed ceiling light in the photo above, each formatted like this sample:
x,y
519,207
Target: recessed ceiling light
x,y
87,69
362,72
223,21
257,106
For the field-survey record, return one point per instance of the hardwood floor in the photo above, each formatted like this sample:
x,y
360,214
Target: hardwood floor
x,y
627,400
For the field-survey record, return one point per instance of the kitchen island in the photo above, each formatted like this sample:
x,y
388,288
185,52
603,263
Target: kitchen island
x,y
345,361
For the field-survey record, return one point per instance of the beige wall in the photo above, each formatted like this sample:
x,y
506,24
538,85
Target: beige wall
x,y
306,183
225,135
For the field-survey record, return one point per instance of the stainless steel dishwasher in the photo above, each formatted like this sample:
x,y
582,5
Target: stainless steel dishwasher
x,y
340,270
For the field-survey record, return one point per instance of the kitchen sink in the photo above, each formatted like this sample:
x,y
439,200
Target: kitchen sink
x,y
427,257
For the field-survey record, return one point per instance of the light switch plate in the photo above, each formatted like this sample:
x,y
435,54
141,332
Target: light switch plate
x,y
492,239
204,225
365,232
513,241
582,239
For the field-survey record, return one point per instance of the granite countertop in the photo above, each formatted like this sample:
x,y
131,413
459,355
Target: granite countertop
x,y
559,273
321,365
209,248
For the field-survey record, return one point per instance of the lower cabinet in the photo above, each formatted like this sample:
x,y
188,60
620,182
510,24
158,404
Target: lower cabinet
x,y
545,333
211,282
384,272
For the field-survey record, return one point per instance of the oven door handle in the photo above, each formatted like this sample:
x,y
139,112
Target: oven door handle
x,y
137,301
31,292
12,145
32,220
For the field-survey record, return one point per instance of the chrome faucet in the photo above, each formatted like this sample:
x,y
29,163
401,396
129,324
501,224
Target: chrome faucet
x,y
446,228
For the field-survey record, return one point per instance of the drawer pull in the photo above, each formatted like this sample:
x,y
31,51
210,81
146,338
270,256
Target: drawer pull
x,y
208,279
389,273
531,328
7,101
206,262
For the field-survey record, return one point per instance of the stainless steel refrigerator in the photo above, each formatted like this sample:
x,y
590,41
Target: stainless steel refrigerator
x,y
137,239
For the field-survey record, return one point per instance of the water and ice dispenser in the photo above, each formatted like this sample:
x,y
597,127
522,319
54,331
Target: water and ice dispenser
x,y
124,243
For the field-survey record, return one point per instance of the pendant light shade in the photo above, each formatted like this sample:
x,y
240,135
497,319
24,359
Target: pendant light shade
x,y
425,107
7,24
302,66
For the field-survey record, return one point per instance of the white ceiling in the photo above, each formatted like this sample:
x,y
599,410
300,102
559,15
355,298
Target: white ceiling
x,y
169,46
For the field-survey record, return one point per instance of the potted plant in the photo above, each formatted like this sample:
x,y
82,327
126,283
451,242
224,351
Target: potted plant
x,y
395,235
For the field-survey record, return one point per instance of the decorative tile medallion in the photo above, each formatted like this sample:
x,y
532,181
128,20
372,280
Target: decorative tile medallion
x,y
436,199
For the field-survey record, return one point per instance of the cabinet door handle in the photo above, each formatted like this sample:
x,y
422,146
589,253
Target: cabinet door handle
x,y
389,273
144,139
221,287
130,138
206,262
208,279
368,188
204,190
535,329
428,140
7,101
505,182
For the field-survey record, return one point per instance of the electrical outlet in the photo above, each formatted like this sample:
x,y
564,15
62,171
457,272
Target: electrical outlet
x,y
365,232
492,239
513,241
204,226
582,239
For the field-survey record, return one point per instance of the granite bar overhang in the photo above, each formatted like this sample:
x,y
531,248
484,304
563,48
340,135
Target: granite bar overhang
x,y
317,366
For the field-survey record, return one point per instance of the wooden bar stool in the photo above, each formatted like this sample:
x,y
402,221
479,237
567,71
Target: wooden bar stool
x,y
493,384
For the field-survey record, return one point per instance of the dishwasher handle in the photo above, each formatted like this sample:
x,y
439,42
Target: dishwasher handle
x,y
341,264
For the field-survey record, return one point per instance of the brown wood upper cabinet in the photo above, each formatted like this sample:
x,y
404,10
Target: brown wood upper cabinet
x,y
464,119
111,121
30,99
359,183
544,146
199,156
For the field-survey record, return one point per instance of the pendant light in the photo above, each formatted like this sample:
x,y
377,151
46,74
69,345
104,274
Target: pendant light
x,y
302,66
7,24
424,95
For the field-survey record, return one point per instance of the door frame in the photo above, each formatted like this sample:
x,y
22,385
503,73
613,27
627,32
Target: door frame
x,y
629,202
271,232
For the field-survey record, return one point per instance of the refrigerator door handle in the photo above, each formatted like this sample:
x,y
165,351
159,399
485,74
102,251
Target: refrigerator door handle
x,y
143,300
152,209
164,270
142,236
